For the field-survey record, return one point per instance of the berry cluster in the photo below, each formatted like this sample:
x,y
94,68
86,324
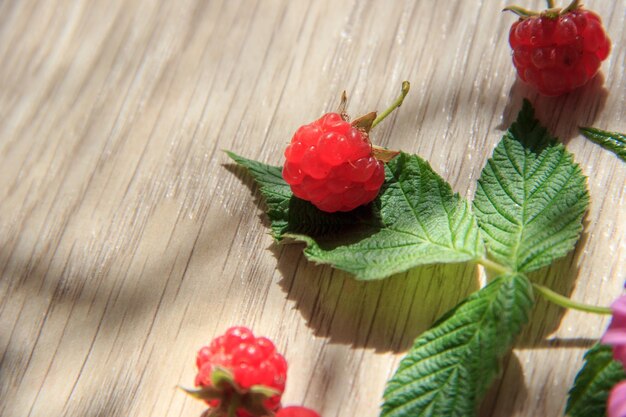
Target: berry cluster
x,y
557,52
330,163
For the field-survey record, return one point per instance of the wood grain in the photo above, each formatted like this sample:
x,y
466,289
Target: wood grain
x,y
126,241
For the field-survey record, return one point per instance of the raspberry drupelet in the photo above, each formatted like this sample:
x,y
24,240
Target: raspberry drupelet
x,y
557,51
332,163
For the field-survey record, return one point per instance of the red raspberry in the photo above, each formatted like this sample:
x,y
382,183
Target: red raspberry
x,y
558,51
251,363
330,163
294,411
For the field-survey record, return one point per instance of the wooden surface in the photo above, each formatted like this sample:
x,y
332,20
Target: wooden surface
x,y
127,240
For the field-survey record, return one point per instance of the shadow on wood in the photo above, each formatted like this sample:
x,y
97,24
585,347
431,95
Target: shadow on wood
x,y
386,315
512,376
561,115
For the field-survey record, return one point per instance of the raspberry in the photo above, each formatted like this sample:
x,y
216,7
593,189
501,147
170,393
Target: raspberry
x,y
294,411
558,51
248,371
332,163
329,163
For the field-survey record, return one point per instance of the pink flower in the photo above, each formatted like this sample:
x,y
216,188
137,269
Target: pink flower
x,y
616,406
615,335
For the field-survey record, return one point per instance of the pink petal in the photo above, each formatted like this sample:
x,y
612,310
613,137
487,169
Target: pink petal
x,y
619,306
618,322
616,405
614,337
619,354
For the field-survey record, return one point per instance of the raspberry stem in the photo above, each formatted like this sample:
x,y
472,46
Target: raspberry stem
x,y
552,11
520,11
573,6
405,90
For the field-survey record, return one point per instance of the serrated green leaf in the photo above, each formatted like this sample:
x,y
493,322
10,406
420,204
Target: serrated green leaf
x,y
451,366
531,197
419,220
416,220
592,385
612,141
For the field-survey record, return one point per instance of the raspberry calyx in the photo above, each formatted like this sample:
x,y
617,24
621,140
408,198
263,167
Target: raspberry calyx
x,y
332,163
240,375
558,50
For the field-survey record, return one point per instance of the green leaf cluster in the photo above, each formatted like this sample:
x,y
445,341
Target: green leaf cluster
x,y
529,205
527,212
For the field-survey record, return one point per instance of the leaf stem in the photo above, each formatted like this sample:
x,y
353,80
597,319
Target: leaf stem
x,y
551,4
490,265
520,11
405,90
565,302
575,4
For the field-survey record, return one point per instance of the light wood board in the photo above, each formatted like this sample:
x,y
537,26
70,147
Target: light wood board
x,y
127,242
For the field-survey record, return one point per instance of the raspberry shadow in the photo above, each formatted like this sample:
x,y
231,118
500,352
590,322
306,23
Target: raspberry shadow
x,y
562,115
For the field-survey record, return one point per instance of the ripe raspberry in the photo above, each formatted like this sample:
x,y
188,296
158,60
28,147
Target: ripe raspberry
x,y
558,51
332,163
294,411
238,367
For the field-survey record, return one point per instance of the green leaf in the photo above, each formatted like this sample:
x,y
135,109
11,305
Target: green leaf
x,y
614,142
601,372
451,366
416,220
531,197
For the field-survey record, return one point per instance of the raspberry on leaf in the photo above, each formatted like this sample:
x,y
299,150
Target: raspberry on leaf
x,y
558,50
240,375
332,163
